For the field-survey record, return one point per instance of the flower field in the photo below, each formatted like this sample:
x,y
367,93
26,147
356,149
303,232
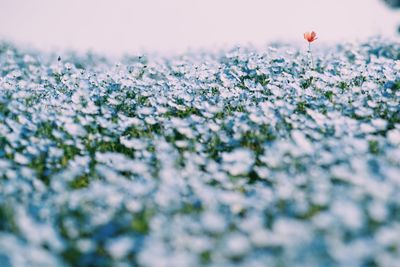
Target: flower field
x,y
243,157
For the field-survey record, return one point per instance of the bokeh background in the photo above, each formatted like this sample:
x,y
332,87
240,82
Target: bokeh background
x,y
121,26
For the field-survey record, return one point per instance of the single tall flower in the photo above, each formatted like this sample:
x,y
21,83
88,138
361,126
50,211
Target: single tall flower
x,y
310,37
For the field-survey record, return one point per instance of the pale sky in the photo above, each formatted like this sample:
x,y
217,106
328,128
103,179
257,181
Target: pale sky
x,y
119,26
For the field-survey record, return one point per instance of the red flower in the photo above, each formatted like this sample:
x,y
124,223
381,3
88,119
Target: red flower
x,y
310,36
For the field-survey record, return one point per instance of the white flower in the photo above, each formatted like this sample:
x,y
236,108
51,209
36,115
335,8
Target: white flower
x,y
393,136
75,129
238,161
119,247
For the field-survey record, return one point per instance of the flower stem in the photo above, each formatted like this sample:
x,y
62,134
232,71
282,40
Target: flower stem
x,y
311,56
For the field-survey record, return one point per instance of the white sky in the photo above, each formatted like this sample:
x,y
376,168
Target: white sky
x,y
118,26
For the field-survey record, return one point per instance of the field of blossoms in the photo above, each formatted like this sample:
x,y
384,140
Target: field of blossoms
x,y
243,157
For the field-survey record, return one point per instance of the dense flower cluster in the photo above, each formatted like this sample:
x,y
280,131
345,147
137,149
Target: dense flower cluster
x,y
237,158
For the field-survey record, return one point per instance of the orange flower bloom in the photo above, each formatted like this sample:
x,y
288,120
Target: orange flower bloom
x,y
310,36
